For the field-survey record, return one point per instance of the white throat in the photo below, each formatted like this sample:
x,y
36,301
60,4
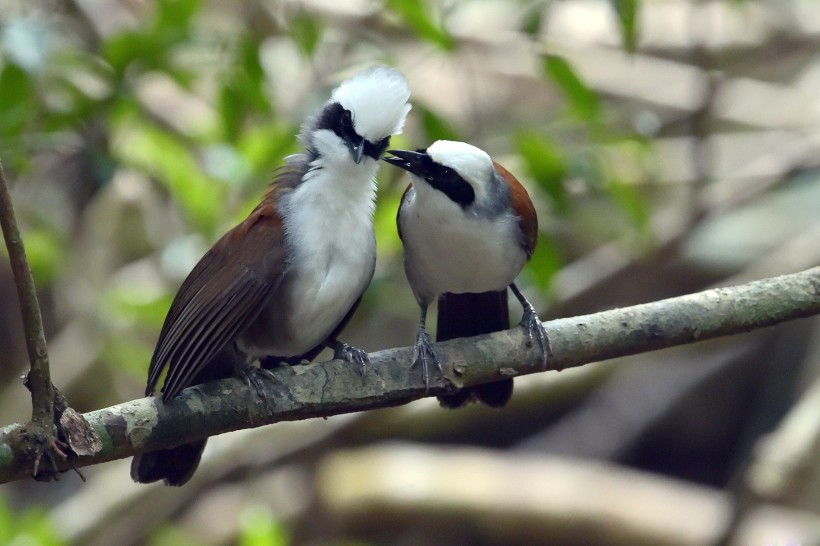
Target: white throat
x,y
328,222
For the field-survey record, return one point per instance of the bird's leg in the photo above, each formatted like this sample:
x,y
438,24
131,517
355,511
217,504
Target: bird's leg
x,y
252,375
343,351
423,351
533,326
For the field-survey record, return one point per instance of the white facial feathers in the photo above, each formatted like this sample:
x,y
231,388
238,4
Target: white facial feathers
x,y
473,164
377,98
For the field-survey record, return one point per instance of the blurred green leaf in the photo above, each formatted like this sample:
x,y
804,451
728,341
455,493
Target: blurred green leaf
x,y
546,261
627,12
631,202
533,17
265,147
384,221
123,351
417,14
243,94
259,528
31,527
152,45
170,535
19,100
35,528
6,522
141,305
44,250
546,163
305,31
584,102
161,154
176,14
121,50
435,127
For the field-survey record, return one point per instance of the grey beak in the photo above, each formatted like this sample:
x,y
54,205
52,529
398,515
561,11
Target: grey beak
x,y
356,150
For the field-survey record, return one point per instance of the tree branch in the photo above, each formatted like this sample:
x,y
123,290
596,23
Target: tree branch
x,y
42,397
334,387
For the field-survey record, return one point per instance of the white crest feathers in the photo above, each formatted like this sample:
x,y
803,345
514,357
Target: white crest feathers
x,y
377,98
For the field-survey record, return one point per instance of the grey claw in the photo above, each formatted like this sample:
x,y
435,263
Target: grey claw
x,y
343,351
422,353
535,328
254,377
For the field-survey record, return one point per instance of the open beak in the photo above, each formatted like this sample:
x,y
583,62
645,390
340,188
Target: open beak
x,y
410,161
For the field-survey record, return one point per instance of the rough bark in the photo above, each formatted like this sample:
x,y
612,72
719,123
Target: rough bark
x,y
334,387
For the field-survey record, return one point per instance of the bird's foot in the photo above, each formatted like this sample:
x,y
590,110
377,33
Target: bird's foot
x,y
255,376
343,351
534,328
423,354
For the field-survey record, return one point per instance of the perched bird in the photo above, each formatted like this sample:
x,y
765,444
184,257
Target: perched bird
x,y
468,228
282,284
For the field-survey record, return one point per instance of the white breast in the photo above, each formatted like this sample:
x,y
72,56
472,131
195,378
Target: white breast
x,y
332,255
448,250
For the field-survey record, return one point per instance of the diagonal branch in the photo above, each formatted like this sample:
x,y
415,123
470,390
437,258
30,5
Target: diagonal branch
x,y
334,387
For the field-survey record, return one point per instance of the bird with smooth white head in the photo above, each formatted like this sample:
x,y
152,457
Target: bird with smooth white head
x,y
468,228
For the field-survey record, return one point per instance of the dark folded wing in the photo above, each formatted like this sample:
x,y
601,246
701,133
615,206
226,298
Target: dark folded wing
x,y
220,298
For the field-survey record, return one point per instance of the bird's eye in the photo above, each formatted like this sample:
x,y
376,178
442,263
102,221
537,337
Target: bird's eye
x,y
347,119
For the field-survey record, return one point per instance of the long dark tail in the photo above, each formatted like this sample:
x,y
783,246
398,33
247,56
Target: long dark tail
x,y
465,315
173,466
176,466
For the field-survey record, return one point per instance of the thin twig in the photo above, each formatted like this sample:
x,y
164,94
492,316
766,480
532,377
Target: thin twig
x,y
42,395
37,441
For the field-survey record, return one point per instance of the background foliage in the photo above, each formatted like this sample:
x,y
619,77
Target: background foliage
x,y
668,145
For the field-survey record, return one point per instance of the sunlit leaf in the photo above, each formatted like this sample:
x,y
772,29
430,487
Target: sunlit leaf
x,y
546,163
418,16
584,102
6,522
627,12
34,527
259,528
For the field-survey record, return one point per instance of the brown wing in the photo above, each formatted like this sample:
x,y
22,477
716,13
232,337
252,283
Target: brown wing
x,y
522,205
222,295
